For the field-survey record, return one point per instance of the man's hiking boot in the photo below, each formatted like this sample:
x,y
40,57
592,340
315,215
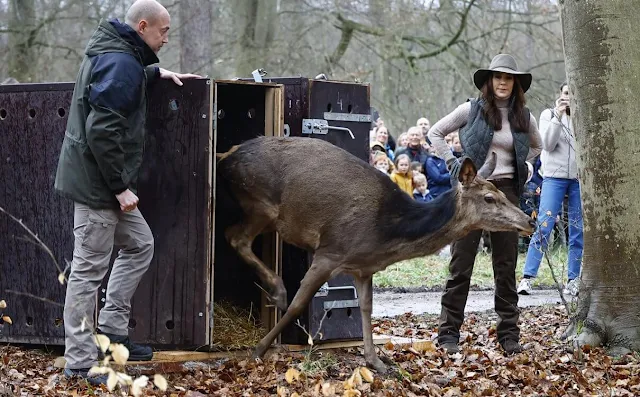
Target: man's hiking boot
x,y
136,352
450,347
511,346
83,374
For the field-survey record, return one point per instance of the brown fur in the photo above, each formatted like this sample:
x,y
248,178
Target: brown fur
x,y
350,215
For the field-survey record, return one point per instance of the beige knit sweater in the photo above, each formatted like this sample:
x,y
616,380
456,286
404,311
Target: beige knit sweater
x,y
502,143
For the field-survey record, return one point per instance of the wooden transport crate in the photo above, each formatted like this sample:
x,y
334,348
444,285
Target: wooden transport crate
x,y
193,266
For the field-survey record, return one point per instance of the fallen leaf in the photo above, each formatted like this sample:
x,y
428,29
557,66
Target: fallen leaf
x,y
453,392
328,389
112,381
120,353
160,382
7,320
3,304
99,370
102,341
61,278
354,381
14,373
367,375
292,374
424,346
138,384
352,393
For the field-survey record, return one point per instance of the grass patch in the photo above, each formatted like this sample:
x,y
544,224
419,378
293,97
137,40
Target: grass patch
x,y
432,271
317,363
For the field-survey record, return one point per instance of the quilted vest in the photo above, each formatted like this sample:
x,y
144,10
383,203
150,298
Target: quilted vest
x,y
476,137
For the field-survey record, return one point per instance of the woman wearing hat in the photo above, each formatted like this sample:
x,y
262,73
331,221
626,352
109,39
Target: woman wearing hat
x,y
496,122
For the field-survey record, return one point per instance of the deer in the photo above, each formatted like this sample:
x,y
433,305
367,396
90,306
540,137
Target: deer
x,y
349,215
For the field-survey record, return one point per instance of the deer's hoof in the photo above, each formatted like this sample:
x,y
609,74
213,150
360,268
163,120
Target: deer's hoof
x,y
279,297
378,365
280,302
259,351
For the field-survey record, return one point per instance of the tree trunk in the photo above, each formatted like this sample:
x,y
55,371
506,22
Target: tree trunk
x,y
601,42
256,22
22,59
378,14
195,36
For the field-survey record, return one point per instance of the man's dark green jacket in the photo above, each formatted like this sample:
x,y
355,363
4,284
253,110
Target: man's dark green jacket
x,y
104,140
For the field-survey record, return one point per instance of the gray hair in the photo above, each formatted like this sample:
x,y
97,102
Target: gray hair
x,y
143,9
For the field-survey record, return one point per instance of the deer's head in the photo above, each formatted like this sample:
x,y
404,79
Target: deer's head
x,y
483,206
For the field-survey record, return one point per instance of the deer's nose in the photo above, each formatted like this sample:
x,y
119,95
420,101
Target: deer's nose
x,y
532,223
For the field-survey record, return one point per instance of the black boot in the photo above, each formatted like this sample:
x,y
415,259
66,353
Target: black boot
x,y
136,352
511,346
83,373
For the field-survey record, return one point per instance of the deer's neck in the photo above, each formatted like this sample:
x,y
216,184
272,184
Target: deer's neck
x,y
421,229
450,232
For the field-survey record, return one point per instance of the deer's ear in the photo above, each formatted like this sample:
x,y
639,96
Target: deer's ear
x,y
468,172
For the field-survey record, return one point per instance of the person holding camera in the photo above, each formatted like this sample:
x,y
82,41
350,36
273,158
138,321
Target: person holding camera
x,y
560,178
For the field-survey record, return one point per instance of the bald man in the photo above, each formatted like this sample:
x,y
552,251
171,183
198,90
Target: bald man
x,y
424,125
98,170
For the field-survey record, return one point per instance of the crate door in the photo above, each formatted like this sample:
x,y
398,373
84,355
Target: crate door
x,y
346,106
169,307
243,110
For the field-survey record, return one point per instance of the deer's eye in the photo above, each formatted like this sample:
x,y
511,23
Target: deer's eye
x,y
489,199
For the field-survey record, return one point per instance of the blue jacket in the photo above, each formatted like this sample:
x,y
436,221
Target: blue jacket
x,y
438,178
420,155
419,197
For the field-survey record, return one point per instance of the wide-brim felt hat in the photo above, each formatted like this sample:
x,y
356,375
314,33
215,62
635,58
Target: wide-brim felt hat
x,y
502,63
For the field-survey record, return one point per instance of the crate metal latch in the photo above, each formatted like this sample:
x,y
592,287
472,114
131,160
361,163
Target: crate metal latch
x,y
341,304
322,127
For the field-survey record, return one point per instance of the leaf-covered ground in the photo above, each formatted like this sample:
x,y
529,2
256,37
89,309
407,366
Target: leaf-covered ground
x,y
421,369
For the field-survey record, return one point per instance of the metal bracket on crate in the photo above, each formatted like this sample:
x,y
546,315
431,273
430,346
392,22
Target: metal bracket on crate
x,y
322,127
257,75
354,117
338,304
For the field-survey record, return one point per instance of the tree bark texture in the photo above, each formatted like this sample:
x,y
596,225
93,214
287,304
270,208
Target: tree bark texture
x,y
22,59
195,36
601,41
256,29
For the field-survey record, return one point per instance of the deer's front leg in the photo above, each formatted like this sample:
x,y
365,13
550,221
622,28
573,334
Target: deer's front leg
x,y
365,297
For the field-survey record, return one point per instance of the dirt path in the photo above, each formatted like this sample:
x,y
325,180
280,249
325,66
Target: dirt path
x,y
393,304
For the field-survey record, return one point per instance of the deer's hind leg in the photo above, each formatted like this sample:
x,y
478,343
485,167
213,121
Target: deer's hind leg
x,y
240,236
